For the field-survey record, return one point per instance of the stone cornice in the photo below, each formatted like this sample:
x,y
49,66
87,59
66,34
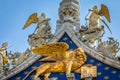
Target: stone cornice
x,y
21,67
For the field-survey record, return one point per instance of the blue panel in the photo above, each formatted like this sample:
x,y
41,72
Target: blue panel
x,y
22,74
67,39
104,71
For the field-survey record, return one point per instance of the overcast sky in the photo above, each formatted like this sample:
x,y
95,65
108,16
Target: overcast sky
x,y
14,13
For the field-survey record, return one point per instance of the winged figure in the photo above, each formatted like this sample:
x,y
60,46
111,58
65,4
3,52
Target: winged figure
x,y
3,54
105,12
62,60
96,16
34,19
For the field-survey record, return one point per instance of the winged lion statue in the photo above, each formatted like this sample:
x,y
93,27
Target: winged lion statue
x,y
62,60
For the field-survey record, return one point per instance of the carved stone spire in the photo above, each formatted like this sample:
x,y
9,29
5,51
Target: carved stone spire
x,y
69,11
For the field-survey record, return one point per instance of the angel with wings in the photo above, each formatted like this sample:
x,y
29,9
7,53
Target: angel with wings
x,y
3,53
96,16
42,33
34,19
4,61
61,59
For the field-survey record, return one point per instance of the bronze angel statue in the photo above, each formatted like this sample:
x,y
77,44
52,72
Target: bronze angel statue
x,y
96,16
62,60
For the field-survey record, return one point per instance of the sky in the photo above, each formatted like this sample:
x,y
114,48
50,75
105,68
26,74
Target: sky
x,y
14,13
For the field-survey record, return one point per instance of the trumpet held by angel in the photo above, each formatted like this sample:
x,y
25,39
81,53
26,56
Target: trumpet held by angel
x,y
62,61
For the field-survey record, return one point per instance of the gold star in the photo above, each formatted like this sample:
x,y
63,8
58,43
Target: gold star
x,y
33,67
32,76
71,49
53,78
71,42
99,64
18,78
65,38
92,60
99,73
106,77
106,68
26,72
119,76
61,73
113,72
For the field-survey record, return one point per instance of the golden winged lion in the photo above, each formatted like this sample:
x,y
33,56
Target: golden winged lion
x,y
62,60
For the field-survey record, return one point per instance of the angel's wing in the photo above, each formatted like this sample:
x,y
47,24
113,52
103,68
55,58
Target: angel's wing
x,y
32,19
4,45
105,12
54,50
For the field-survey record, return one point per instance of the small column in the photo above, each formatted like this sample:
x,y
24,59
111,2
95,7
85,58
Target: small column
x,y
71,76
